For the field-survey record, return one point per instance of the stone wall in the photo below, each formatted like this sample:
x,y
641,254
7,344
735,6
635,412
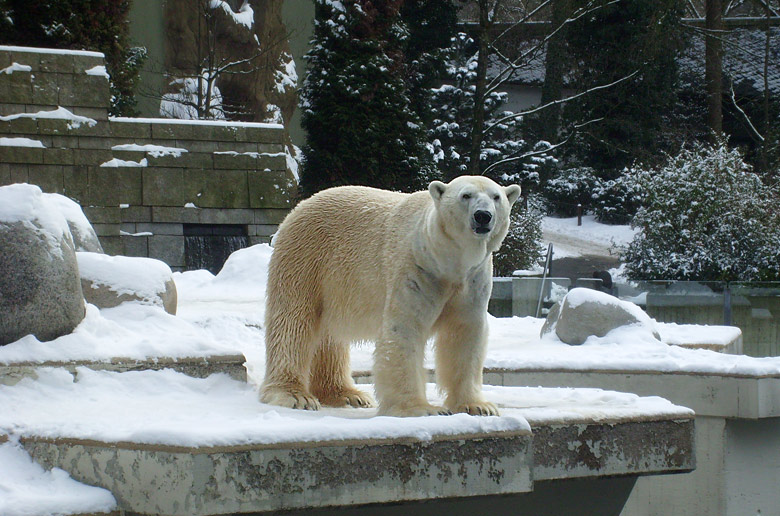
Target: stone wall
x,y
138,180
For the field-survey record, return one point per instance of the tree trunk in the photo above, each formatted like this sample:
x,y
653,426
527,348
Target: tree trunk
x,y
714,67
478,121
553,71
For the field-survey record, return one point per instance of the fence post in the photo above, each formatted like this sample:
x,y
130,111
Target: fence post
x,y
727,305
579,214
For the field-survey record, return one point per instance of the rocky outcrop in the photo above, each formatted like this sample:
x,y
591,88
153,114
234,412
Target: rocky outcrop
x,y
40,290
260,40
108,281
585,312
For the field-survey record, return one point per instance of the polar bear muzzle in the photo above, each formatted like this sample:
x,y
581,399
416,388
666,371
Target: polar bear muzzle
x,y
482,222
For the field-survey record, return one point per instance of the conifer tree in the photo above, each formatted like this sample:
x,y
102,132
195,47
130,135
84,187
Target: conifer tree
x,y
357,113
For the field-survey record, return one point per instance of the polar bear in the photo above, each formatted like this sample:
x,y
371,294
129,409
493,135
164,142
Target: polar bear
x,y
354,263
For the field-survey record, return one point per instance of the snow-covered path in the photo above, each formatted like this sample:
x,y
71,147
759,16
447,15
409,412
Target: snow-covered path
x,y
590,239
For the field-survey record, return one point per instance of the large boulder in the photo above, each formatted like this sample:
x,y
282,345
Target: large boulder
x,y
84,236
108,281
585,312
40,290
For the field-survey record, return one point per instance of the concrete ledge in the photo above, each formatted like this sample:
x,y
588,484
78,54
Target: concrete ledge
x,y
197,481
565,451
721,395
197,367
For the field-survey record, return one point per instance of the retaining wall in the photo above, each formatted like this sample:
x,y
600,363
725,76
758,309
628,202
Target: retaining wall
x,y
138,180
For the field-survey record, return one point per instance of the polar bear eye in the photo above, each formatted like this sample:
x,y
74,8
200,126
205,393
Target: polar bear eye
x,y
496,197
465,196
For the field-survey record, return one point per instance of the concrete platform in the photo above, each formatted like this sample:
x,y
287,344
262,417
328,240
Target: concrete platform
x,y
737,439
583,441
197,367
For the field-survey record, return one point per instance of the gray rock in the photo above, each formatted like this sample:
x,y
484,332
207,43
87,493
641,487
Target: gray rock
x,y
552,319
40,291
585,312
108,281
84,236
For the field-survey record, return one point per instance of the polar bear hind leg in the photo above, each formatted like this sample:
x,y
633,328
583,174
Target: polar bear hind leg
x,y
331,380
290,339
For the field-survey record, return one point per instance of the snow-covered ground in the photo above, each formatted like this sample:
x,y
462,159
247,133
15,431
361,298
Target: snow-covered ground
x,y
223,314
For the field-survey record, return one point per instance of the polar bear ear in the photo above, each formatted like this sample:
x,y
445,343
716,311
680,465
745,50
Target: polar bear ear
x,y
512,193
436,189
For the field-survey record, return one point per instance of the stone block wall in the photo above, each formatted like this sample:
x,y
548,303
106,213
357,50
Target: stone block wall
x,y
33,79
140,180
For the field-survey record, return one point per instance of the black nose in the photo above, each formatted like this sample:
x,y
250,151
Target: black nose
x,y
482,217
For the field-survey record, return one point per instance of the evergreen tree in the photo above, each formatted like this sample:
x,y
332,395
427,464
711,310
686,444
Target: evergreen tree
x,y
452,128
357,113
611,43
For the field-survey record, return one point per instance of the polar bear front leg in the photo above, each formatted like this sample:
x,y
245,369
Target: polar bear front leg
x,y
399,371
461,344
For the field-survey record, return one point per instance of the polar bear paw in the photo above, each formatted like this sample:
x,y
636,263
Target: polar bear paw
x,y
477,408
414,410
295,398
347,398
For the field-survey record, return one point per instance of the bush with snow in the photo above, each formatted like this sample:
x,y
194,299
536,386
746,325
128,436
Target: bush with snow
x,y
571,187
616,201
706,216
522,247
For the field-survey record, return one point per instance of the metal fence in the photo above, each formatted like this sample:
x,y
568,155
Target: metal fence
x,y
753,307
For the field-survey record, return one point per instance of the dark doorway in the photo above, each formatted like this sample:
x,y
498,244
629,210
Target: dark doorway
x,y
207,246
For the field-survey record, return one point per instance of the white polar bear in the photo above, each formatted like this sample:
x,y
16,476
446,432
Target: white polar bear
x,y
354,263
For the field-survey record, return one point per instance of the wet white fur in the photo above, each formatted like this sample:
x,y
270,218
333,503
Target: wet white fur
x,y
355,263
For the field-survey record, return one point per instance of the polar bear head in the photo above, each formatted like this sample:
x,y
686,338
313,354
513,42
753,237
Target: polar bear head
x,y
475,206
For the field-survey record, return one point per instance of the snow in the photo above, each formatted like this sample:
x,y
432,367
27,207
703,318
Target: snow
x,y
221,123
137,276
27,204
72,212
60,114
170,408
286,78
251,154
99,71
293,158
245,15
155,151
578,296
26,489
592,238
16,67
116,162
36,50
21,142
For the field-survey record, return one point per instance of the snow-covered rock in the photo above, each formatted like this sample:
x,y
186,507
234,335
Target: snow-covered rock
x,y
84,236
108,281
40,291
584,313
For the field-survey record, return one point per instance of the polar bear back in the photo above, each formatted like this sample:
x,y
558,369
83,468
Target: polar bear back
x,y
335,248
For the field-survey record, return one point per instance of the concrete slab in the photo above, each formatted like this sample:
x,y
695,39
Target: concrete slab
x,y
197,367
150,479
742,396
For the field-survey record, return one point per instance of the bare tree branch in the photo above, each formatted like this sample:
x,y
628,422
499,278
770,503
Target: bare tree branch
x,y
559,101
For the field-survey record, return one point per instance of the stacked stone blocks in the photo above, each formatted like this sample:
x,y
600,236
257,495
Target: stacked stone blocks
x,y
138,198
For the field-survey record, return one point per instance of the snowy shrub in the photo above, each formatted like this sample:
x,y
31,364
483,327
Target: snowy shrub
x,y
522,247
706,216
571,187
616,201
